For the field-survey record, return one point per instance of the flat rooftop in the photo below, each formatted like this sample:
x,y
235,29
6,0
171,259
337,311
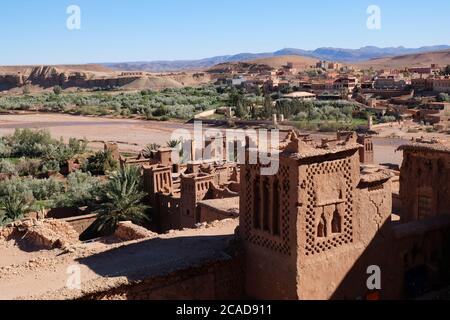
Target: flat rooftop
x,y
229,205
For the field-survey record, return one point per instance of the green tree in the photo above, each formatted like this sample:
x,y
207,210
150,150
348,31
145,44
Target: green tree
x,y
57,90
15,205
120,200
267,108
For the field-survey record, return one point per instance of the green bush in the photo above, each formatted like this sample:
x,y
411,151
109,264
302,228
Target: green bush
x,y
57,90
101,163
81,190
150,149
28,167
34,189
38,144
7,167
387,119
15,200
5,150
176,103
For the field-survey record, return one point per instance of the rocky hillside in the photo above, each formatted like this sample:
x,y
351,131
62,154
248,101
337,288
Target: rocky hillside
x,y
38,78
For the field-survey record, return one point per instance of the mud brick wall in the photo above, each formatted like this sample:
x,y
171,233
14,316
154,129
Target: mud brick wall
x,y
222,279
81,223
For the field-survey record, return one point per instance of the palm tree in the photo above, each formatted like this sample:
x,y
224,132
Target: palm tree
x,y
121,200
173,143
15,205
150,149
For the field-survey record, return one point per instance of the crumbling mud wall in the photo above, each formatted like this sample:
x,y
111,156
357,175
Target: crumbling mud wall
x,y
81,223
41,234
127,231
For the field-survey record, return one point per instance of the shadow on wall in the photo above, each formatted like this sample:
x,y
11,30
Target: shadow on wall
x,y
176,268
414,260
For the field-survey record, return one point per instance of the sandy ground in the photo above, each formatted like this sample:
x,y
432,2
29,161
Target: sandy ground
x,y
393,136
402,131
45,274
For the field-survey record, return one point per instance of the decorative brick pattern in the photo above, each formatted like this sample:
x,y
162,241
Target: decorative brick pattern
x,y
280,244
314,244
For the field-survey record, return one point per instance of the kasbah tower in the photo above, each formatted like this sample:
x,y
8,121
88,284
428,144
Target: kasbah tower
x,y
311,230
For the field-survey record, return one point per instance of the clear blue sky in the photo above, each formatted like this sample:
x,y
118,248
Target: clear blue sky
x,y
34,32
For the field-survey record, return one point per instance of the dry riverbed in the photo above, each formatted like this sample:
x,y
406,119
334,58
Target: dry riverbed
x,y
133,135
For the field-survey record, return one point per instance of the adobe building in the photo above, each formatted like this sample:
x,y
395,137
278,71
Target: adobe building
x,y
304,228
425,180
182,195
366,151
312,230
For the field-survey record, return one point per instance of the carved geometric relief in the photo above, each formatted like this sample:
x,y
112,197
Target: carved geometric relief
x,y
253,231
329,207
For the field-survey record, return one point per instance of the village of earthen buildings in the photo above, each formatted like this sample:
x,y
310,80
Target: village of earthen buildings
x,y
119,209
223,231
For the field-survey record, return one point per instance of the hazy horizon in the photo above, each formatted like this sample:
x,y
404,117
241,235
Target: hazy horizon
x,y
133,31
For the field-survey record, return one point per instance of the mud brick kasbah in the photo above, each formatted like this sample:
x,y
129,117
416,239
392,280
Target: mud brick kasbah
x,y
311,231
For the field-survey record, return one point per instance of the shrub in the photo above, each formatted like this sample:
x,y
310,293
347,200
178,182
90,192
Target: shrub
x,y
44,189
57,90
5,150
173,143
101,163
28,167
34,189
50,166
14,207
443,97
82,190
29,143
387,119
7,167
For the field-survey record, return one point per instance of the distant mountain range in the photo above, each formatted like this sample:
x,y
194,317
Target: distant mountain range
x,y
331,54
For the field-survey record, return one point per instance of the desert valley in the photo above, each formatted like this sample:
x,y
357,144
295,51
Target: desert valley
x,y
297,174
